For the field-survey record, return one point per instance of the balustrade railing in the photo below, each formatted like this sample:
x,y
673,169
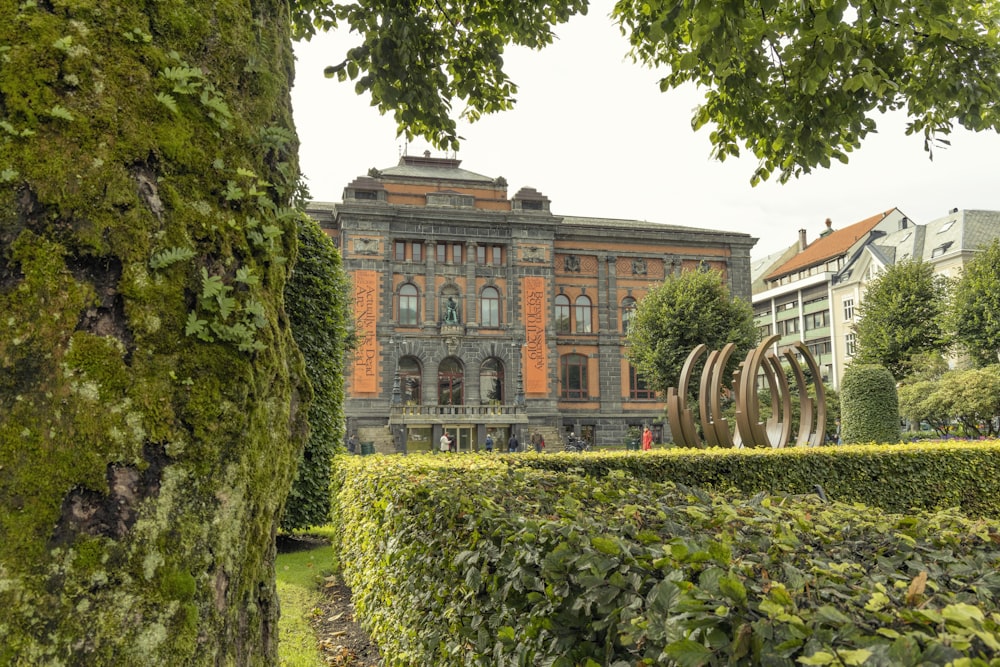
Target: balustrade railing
x,y
454,410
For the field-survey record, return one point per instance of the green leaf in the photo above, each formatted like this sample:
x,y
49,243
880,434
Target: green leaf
x,y
818,658
605,546
167,101
688,653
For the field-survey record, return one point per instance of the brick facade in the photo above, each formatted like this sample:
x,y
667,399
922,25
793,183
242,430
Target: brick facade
x,y
502,360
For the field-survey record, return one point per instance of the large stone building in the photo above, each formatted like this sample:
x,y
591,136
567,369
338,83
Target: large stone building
x,y
480,313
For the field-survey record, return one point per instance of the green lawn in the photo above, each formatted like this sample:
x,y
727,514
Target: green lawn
x,y
298,576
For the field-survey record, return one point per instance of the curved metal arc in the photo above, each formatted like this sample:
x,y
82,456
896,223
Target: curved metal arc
x,y
819,434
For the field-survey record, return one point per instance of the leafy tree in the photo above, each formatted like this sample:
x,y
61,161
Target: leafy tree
x,y
902,315
975,309
920,401
320,319
798,83
972,398
682,312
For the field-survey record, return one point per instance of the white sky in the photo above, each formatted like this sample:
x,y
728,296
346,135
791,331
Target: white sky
x,y
592,132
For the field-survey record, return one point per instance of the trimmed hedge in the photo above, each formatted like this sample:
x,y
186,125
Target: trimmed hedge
x,y
869,406
896,478
469,561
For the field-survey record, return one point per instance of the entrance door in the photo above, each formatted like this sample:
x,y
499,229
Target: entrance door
x,y
465,436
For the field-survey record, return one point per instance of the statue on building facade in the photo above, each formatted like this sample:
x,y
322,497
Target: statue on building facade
x,y
451,312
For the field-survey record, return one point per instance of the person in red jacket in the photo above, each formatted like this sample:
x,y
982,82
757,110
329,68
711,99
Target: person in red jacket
x,y
647,439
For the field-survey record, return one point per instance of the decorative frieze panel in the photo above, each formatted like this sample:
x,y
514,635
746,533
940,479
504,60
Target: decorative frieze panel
x,y
570,264
639,267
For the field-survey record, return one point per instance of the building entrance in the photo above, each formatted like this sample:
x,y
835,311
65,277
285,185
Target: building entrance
x,y
465,436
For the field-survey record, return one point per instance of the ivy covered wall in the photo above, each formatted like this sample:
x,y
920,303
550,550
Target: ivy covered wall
x,y
150,405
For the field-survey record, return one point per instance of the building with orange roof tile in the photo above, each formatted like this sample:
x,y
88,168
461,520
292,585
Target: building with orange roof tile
x,y
947,243
795,298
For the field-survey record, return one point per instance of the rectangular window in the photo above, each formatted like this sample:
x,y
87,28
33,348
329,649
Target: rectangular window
x,y
418,251
400,251
456,253
851,343
819,349
848,309
442,253
764,330
638,388
481,254
786,327
817,320
497,255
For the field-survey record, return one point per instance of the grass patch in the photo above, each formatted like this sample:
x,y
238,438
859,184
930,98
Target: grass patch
x,y
298,576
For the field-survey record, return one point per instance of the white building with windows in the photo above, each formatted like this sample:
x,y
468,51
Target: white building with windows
x,y
947,244
795,299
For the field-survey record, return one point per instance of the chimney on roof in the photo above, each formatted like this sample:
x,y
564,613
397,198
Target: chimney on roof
x,y
802,240
829,228
427,153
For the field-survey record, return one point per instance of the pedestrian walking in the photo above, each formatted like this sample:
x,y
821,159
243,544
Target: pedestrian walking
x,y
445,442
489,443
512,443
647,440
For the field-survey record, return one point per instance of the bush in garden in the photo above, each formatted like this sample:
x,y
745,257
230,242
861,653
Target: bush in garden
x,y
471,562
869,407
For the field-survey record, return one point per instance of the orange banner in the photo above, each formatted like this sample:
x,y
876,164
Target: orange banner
x,y
536,355
365,376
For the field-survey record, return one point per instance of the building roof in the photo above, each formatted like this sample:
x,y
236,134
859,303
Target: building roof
x,y
830,246
961,231
435,168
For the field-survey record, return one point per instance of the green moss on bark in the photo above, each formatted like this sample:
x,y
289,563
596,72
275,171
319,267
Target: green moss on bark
x,y
143,470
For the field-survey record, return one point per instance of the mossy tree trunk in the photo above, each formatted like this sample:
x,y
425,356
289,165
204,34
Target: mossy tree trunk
x,y
150,416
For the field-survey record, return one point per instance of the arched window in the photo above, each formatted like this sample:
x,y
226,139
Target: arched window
x,y
450,378
628,310
409,380
583,324
489,308
408,306
562,313
573,376
491,381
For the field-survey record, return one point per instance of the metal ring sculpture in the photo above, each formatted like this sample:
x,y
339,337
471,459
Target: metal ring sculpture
x,y
750,430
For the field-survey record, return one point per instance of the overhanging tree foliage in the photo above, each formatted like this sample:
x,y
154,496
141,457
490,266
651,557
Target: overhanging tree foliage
x,y
975,306
796,84
902,315
682,312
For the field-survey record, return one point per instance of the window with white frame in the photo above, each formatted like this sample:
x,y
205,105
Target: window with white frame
x,y
851,343
848,308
